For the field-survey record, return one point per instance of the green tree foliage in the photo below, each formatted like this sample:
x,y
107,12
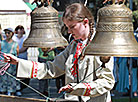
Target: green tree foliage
x,y
135,5
135,19
135,13
94,6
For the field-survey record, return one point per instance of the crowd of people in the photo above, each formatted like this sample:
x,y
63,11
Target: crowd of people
x,y
86,80
12,42
7,84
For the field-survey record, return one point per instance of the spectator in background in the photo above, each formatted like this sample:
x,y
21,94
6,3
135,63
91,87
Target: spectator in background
x,y
134,73
20,37
123,74
45,55
8,84
134,76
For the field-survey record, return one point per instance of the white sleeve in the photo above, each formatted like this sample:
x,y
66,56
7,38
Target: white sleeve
x,y
29,69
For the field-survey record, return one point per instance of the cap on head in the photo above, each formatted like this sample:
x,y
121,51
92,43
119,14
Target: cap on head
x,y
9,29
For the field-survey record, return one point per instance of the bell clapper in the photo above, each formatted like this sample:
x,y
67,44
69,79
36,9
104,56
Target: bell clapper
x,y
104,59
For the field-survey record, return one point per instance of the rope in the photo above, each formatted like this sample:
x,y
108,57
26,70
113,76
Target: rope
x,y
47,98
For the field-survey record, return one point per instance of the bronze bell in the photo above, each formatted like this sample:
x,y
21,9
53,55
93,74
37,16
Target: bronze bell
x,y
114,33
45,29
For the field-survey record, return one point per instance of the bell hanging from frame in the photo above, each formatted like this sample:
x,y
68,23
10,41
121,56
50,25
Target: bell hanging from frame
x,y
114,33
45,29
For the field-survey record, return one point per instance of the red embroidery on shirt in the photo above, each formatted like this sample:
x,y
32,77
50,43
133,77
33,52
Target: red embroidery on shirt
x,y
74,68
69,88
34,69
88,89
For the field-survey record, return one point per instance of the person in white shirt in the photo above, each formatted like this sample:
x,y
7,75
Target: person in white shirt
x,y
20,37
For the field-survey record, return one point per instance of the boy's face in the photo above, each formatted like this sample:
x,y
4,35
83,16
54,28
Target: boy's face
x,y
20,33
8,34
77,29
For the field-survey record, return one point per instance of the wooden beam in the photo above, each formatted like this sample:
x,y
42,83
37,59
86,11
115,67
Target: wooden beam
x,y
6,98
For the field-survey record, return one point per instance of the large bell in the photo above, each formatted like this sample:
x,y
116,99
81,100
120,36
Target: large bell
x,y
45,29
114,33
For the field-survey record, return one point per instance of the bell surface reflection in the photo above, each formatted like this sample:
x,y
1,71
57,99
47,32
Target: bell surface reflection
x,y
114,33
45,29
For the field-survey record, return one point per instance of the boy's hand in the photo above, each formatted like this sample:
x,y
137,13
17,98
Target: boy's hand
x,y
10,59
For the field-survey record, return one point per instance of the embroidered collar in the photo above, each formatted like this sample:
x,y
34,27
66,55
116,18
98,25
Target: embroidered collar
x,y
80,45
